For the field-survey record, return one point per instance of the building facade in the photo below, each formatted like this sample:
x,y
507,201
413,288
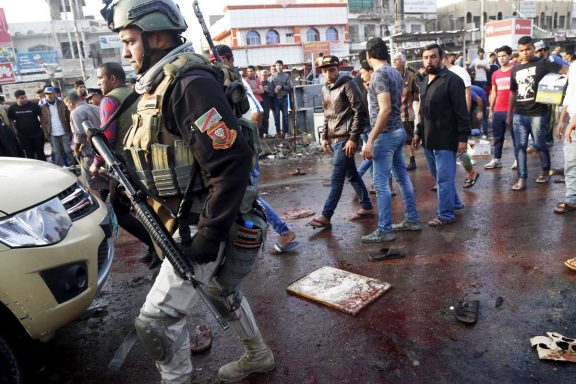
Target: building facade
x,y
295,32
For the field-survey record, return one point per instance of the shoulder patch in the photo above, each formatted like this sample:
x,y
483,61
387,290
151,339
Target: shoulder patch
x,y
208,119
222,136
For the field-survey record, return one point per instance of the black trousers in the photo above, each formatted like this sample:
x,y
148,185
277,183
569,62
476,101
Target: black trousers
x,y
33,147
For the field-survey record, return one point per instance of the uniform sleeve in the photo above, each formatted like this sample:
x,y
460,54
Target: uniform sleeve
x,y
200,112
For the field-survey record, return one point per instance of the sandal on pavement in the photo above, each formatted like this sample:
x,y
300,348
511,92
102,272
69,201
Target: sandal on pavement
x,y
467,311
469,183
520,185
564,207
543,178
571,263
439,222
279,249
320,223
361,214
201,340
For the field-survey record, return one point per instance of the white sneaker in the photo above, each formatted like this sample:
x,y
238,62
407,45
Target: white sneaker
x,y
515,165
495,163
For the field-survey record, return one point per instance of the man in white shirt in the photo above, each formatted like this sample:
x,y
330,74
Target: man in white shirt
x,y
56,126
481,68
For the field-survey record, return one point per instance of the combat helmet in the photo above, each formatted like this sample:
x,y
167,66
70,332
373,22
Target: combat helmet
x,y
148,15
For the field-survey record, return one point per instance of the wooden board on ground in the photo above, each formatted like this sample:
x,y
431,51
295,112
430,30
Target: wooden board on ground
x,y
342,290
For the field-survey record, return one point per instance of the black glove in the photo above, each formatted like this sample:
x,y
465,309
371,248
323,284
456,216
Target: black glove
x,y
203,250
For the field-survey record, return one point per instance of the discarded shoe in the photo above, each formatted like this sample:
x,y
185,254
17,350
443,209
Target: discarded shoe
x,y
467,311
386,254
201,340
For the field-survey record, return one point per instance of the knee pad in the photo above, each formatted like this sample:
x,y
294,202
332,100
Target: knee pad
x,y
152,332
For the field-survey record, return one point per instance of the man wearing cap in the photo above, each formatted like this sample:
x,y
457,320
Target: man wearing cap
x,y
344,120
543,52
56,126
183,98
94,96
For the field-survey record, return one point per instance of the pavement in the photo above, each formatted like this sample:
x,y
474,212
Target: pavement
x,y
506,248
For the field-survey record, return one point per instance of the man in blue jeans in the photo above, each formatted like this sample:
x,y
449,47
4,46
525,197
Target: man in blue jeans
x,y
443,129
344,121
386,143
525,114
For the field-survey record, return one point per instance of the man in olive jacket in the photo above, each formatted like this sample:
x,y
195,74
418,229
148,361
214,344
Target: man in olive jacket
x,y
344,120
55,122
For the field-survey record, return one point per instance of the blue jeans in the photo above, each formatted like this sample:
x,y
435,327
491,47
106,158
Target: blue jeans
x,y
281,105
570,170
388,155
499,132
366,164
279,225
442,164
344,167
522,126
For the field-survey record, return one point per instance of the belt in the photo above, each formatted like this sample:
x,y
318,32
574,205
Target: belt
x,y
340,138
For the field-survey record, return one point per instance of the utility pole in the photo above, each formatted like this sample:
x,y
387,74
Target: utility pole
x,y
80,53
482,22
68,29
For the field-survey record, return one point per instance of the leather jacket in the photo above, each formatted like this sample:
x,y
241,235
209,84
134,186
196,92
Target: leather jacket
x,y
345,114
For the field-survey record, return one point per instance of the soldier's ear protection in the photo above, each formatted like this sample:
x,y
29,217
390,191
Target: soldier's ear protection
x,y
237,97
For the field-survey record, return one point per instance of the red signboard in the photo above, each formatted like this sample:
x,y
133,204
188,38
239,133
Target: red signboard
x,y
7,74
523,27
4,34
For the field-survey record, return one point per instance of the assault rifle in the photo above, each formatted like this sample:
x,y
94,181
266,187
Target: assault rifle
x,y
205,30
150,220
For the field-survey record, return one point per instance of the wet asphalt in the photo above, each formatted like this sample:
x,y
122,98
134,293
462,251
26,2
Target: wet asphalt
x,y
506,250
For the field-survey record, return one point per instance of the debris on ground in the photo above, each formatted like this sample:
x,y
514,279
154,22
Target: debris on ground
x,y
297,214
555,347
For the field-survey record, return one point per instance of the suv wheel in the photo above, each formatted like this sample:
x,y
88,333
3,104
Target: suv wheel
x,y
10,371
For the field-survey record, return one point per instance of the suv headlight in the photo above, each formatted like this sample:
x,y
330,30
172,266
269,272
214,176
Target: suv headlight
x,y
44,224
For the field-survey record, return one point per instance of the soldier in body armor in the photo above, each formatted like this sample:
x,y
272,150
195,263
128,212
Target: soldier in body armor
x,y
183,100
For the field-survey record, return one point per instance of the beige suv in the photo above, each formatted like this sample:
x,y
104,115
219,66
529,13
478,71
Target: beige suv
x,y
55,254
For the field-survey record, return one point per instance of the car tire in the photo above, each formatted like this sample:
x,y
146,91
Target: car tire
x,y
10,370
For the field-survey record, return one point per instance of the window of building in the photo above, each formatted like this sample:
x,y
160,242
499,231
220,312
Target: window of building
x,y
252,38
312,35
358,6
468,17
555,23
331,34
369,31
272,37
354,33
477,21
415,28
542,20
499,17
562,22
548,22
